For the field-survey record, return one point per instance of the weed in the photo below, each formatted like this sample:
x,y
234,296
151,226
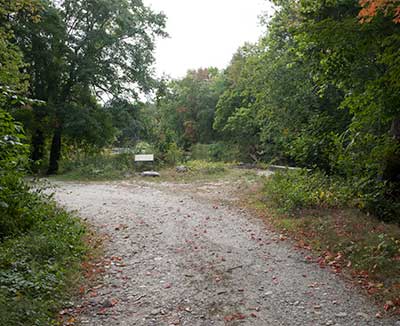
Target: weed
x,y
40,251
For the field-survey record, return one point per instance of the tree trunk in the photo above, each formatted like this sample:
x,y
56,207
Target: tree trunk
x,y
37,148
55,152
395,129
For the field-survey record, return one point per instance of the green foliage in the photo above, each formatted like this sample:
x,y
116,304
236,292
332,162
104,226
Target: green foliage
x,y
36,267
77,53
292,191
12,151
174,155
17,213
208,168
320,91
143,148
89,129
133,122
295,190
217,152
98,167
186,107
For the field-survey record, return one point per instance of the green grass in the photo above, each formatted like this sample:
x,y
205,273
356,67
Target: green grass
x,y
119,167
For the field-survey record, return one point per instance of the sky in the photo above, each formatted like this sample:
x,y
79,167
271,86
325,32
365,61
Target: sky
x,y
205,33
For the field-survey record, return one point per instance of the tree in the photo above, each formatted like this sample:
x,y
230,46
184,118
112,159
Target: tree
x,y
371,8
13,86
187,106
94,47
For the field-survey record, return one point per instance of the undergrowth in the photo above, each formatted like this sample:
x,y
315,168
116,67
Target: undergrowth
x,y
41,250
328,216
292,191
99,167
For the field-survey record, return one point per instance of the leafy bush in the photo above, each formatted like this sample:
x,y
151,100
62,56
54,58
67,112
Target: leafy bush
x,y
173,155
206,167
143,148
41,247
200,152
295,190
13,153
17,206
35,268
99,166
217,152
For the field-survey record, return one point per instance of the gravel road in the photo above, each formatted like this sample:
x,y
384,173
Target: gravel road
x,y
180,254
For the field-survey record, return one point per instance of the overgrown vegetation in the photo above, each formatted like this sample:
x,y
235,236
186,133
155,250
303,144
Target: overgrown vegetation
x,y
41,246
340,238
40,259
292,191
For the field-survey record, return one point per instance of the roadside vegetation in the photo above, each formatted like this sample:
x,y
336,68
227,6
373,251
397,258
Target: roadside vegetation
x,y
326,223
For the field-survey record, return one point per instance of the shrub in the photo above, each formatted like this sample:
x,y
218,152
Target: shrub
x,y
99,166
291,191
41,248
173,155
217,152
206,167
294,190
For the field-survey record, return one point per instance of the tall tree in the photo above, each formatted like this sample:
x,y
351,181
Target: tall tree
x,y
94,47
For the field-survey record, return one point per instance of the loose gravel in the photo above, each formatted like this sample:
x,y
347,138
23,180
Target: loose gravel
x,y
182,255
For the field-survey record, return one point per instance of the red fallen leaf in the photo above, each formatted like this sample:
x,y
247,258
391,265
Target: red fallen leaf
x,y
102,311
113,302
388,305
228,318
82,290
116,258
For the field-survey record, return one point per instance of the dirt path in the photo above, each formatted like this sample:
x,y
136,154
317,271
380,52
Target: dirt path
x,y
180,257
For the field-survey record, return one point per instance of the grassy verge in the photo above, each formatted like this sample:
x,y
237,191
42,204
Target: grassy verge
x,y
119,167
317,214
41,254
195,171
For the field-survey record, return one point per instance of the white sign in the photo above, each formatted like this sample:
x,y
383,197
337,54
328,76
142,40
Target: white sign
x,y
144,158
